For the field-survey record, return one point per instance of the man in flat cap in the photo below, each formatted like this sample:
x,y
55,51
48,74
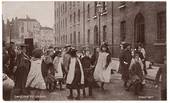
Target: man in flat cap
x,y
23,67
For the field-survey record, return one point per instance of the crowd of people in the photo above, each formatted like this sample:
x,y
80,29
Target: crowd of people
x,y
46,69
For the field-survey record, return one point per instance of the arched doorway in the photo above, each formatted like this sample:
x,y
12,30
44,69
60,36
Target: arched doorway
x,y
139,35
96,35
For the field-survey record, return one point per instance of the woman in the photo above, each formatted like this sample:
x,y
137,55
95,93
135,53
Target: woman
x,y
75,75
35,81
88,72
102,72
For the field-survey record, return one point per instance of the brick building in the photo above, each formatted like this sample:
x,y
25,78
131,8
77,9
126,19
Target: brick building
x,y
78,23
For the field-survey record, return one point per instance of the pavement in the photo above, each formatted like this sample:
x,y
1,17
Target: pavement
x,y
113,91
151,72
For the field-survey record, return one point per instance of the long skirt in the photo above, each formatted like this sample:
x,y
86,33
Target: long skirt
x,y
76,84
21,77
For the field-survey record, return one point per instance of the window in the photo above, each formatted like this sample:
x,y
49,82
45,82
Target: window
x,y
104,6
139,28
78,14
78,37
96,35
66,22
161,25
88,36
74,37
70,18
95,8
65,6
70,5
71,38
104,33
66,38
88,11
123,30
74,17
73,4
122,5
22,29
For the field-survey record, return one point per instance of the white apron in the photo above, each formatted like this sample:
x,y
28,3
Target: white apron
x,y
101,73
35,78
58,61
70,75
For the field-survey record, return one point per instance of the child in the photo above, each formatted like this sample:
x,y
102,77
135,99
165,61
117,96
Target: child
x,y
58,62
75,75
136,74
88,72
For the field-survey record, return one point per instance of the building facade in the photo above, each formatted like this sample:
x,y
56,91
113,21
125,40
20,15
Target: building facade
x,y
47,37
80,24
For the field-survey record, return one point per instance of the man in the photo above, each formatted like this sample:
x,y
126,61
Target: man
x,y
125,61
23,67
12,57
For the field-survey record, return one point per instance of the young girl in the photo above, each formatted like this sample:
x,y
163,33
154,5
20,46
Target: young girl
x,y
35,81
102,72
58,62
75,75
88,72
136,74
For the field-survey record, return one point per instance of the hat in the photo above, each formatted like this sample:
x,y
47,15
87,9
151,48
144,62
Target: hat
x,y
67,45
125,45
73,52
37,53
104,44
23,45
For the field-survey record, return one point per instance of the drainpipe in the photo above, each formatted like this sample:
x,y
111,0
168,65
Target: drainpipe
x,y
112,31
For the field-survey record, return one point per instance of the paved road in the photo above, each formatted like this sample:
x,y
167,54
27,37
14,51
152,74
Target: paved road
x,y
113,91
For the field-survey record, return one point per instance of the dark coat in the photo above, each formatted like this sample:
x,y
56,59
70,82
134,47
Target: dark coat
x,y
23,68
88,72
77,78
125,57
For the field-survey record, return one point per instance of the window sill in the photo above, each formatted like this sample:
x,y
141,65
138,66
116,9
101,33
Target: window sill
x,y
159,44
94,17
122,6
104,13
88,19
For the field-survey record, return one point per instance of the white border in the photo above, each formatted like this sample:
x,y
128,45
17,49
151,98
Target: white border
x,y
168,41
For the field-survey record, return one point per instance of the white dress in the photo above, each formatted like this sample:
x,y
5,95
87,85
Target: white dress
x,y
35,78
58,61
101,73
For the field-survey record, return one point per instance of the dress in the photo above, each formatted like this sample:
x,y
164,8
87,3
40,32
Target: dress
x,y
101,72
35,78
75,76
58,61
88,71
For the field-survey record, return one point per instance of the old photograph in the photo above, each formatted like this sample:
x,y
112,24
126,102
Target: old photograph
x,y
84,50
